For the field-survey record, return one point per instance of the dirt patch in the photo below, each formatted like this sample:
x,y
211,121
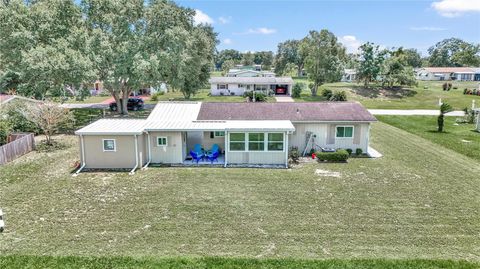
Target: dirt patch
x,y
326,173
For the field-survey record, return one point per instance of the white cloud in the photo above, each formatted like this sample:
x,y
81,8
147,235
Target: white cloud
x,y
201,17
351,42
427,28
227,41
259,30
455,8
225,20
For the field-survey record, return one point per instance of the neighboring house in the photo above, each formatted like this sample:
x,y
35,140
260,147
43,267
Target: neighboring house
x,y
240,85
4,99
256,67
349,75
247,133
249,73
448,73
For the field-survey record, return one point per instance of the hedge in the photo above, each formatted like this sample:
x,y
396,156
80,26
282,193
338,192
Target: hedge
x,y
340,155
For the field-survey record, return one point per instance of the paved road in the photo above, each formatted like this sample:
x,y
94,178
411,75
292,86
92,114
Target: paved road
x,y
413,112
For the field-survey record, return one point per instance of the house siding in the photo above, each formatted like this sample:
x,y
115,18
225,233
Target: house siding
x,y
261,157
325,136
174,152
208,142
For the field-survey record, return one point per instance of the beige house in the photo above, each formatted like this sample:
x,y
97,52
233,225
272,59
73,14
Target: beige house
x,y
247,133
448,73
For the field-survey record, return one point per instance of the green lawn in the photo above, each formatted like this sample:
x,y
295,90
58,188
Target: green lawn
x,y
419,201
408,98
89,100
203,95
461,138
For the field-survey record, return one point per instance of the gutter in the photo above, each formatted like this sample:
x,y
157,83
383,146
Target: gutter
x,y
149,153
136,156
82,146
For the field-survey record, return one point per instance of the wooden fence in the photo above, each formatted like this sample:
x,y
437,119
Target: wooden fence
x,y
16,148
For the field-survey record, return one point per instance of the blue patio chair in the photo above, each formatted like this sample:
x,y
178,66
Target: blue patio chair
x,y
215,148
198,149
213,156
195,156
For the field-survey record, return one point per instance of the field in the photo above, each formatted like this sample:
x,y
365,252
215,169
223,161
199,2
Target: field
x,y
424,96
461,138
419,201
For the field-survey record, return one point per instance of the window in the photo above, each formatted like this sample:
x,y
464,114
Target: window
x,y
109,145
161,141
344,131
219,134
222,86
237,141
256,141
275,141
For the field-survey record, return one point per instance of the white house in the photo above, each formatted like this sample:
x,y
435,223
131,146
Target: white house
x,y
246,133
349,75
249,73
240,85
448,73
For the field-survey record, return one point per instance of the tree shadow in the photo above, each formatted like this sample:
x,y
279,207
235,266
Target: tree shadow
x,y
391,93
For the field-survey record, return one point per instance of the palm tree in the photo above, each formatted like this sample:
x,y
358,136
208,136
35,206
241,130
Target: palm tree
x,y
444,108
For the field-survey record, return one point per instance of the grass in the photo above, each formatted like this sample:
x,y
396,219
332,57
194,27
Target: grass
x,y
419,201
217,263
424,96
203,95
461,138
88,100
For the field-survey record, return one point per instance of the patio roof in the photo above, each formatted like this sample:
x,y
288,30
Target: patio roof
x,y
113,127
255,125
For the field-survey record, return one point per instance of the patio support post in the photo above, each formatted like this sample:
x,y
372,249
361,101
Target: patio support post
x,y
286,149
226,149
149,152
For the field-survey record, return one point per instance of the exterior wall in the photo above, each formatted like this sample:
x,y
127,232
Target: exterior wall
x,y
325,136
174,152
259,157
208,142
123,157
232,88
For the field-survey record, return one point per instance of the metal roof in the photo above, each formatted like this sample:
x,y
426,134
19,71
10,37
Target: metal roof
x,y
245,125
175,111
114,127
251,80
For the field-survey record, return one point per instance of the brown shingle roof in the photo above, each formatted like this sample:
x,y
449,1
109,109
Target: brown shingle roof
x,y
318,111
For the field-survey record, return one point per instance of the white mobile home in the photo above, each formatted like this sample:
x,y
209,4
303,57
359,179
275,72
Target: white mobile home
x,y
244,133
240,85
448,73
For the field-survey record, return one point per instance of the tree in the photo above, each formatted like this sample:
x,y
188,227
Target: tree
x,y
396,69
413,58
265,58
454,52
247,58
288,54
48,117
227,65
45,43
9,82
370,62
444,108
323,58
227,55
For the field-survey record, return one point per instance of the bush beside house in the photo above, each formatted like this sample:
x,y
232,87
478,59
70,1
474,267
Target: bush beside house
x,y
340,155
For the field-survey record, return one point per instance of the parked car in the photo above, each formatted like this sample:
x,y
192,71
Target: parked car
x,y
280,91
133,104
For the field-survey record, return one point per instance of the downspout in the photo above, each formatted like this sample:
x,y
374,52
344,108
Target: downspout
x,y
82,148
149,152
136,156
226,149
286,149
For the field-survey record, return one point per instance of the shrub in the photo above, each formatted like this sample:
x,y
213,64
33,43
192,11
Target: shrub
x,y
444,86
339,96
359,151
349,151
294,155
5,129
449,86
465,91
327,93
232,93
155,96
297,90
259,97
338,156
222,94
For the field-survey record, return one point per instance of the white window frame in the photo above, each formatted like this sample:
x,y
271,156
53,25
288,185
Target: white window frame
x,y
248,139
344,126
223,84
215,134
162,137
267,141
114,145
245,140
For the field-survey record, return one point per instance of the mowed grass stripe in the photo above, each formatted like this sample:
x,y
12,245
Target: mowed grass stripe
x,y
412,203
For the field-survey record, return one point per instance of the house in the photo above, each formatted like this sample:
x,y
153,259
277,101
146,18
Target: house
x,y
5,98
240,85
448,73
247,133
249,73
349,75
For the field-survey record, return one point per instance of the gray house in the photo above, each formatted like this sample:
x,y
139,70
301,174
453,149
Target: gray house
x,y
247,133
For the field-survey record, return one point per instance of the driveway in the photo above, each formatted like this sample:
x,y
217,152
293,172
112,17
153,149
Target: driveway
x,y
414,112
284,99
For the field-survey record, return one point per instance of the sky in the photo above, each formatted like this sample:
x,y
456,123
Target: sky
x,y
261,25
